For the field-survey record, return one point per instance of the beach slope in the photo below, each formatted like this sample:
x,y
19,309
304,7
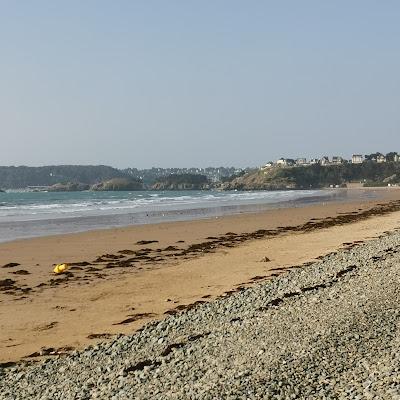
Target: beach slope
x,y
326,330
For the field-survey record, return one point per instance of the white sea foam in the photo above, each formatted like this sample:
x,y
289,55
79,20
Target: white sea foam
x,y
24,215
27,206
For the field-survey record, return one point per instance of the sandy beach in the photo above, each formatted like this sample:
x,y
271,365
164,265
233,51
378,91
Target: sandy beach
x,y
120,279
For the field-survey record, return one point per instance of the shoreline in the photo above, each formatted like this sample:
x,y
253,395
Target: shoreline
x,y
110,239
44,227
132,284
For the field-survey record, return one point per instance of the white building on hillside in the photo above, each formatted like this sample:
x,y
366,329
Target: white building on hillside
x,y
281,162
269,164
337,160
381,159
285,162
357,158
301,161
324,160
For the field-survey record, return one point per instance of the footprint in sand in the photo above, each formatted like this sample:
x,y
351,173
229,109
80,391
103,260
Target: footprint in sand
x,y
10,265
46,327
100,336
134,317
141,242
21,272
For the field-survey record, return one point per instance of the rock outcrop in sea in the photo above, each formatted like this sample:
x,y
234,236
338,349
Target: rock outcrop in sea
x,y
118,184
68,187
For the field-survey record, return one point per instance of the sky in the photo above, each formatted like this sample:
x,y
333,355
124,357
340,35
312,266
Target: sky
x,y
197,83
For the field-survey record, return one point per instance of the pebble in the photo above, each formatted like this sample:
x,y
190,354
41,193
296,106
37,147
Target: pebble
x,y
326,331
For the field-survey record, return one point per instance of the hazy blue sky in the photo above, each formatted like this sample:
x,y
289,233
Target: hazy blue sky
x,y
197,83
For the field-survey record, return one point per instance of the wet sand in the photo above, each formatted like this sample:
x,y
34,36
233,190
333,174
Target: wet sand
x,y
121,278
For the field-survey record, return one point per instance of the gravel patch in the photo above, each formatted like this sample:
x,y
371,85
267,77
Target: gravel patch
x,y
329,330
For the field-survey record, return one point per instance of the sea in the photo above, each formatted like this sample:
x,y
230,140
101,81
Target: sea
x,y
32,214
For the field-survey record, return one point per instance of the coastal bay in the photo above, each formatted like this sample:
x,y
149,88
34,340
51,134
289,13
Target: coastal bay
x,y
200,201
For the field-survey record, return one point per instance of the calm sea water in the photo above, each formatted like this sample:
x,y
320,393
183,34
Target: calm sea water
x,y
25,214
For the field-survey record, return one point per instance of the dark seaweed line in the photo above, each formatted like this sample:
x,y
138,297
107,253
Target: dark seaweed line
x,y
167,351
230,239
278,301
273,303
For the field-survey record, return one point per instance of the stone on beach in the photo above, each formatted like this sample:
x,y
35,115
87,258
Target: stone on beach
x,y
327,330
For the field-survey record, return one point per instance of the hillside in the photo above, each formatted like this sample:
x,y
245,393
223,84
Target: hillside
x,y
150,176
182,182
22,177
316,176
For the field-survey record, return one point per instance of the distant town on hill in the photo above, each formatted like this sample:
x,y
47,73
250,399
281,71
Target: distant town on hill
x,y
335,160
376,169
369,170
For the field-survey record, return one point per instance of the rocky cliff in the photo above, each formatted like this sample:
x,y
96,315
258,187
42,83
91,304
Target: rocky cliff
x,y
316,176
259,180
118,184
68,187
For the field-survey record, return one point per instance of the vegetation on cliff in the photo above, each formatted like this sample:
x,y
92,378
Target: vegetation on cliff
x,y
118,184
316,176
22,177
102,178
150,176
68,187
182,182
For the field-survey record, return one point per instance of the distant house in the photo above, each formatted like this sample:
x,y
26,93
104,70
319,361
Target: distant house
x,y
269,164
281,162
337,160
301,161
314,161
325,161
393,156
357,158
285,162
374,157
380,158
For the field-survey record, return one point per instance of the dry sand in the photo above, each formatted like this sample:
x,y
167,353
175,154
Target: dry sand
x,y
111,296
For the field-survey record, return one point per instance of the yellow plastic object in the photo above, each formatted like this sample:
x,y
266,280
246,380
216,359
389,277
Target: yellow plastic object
x,y
60,268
